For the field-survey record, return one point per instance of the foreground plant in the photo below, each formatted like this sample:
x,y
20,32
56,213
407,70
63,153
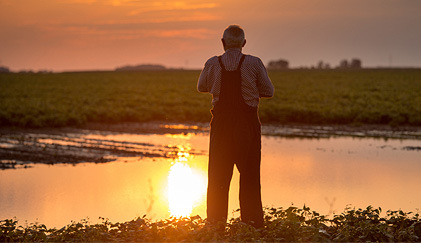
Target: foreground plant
x,y
290,224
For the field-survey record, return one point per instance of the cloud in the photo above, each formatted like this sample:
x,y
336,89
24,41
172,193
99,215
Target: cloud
x,y
171,18
123,31
148,11
172,6
146,5
183,33
80,1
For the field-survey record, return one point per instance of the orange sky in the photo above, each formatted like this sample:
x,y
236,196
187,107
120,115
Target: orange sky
x,y
103,34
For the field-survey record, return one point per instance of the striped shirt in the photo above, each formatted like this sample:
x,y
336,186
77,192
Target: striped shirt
x,y
255,80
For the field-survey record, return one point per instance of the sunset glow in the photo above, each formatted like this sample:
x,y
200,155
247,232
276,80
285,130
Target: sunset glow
x,y
93,34
185,188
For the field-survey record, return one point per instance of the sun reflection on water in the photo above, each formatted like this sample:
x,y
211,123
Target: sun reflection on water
x,y
186,186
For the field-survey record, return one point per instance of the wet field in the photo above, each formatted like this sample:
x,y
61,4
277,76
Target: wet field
x,y
123,171
25,147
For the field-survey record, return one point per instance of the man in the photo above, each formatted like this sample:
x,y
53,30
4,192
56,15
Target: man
x,y
236,82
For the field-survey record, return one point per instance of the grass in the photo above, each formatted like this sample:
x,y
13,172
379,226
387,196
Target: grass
x,y
350,97
281,225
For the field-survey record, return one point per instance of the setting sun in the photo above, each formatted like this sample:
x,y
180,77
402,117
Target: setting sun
x,y
185,188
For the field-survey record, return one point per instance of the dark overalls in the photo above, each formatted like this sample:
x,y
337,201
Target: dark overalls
x,y
235,138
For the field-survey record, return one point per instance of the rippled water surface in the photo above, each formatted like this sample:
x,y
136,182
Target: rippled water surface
x,y
325,174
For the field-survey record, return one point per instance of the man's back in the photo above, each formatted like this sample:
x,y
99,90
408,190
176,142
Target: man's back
x,y
255,81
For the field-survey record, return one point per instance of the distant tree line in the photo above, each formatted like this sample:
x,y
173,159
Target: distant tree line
x,y
279,64
353,64
4,69
283,64
142,67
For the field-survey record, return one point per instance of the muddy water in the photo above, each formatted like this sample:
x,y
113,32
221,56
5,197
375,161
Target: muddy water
x,y
162,175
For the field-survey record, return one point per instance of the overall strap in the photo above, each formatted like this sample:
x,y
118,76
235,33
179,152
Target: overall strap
x,y
220,63
241,62
239,65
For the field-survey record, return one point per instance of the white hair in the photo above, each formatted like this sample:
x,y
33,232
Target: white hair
x,y
234,36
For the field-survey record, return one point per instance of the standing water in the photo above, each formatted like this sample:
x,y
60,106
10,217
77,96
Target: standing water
x,y
326,174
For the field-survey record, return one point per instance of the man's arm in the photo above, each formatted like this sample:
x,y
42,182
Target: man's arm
x,y
202,84
264,84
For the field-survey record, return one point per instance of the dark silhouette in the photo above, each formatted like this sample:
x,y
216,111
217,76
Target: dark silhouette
x,y
142,67
343,64
236,82
4,69
323,65
280,64
353,64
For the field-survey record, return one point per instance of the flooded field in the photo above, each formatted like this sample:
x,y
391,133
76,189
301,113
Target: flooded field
x,y
58,175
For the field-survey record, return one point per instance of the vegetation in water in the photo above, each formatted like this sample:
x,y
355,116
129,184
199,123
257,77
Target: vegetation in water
x,y
290,224
311,97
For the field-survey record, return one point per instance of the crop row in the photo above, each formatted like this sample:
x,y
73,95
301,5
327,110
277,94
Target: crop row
x,y
349,97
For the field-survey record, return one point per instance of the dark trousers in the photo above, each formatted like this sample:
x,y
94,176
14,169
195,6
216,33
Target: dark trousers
x,y
235,138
